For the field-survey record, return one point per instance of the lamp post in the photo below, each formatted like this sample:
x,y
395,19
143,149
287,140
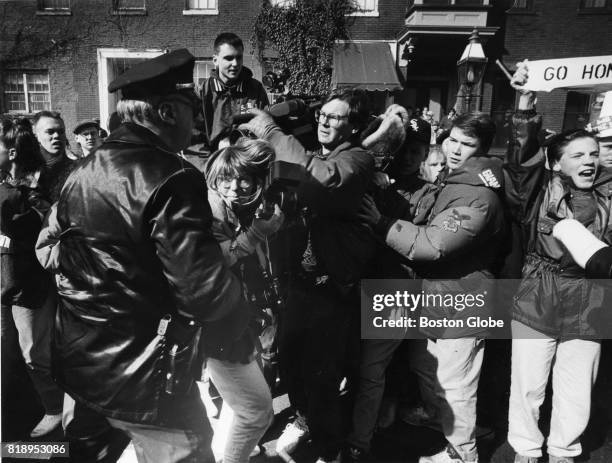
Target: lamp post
x,y
471,66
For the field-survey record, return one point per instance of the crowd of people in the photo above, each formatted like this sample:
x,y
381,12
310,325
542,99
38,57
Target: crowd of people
x,y
127,272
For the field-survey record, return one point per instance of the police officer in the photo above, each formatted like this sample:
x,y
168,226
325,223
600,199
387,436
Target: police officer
x,y
140,270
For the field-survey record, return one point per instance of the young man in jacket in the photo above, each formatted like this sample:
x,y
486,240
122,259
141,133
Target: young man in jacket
x,y
323,305
138,265
558,314
460,246
230,90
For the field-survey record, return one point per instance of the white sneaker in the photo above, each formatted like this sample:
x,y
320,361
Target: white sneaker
x,y
448,455
294,433
47,424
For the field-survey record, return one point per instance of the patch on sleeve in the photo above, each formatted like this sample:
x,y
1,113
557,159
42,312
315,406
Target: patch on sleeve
x,y
453,222
488,178
5,242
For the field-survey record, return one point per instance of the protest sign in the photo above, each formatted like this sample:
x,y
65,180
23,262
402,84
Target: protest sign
x,y
592,73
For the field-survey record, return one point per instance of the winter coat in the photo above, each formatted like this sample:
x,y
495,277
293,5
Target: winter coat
x,y
459,249
554,296
24,282
136,244
220,101
333,188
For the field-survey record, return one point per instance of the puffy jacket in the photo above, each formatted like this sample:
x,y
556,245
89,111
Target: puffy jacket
x,y
462,241
220,101
136,244
333,188
554,296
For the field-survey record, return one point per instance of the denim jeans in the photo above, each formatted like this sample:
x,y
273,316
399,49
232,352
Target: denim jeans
x,y
244,389
375,357
34,336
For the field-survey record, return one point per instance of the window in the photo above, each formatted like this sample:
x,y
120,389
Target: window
x,y
54,6
366,8
282,2
594,4
201,71
577,110
129,6
26,91
201,7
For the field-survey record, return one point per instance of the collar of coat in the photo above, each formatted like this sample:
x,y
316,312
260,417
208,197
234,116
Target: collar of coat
x,y
478,171
135,134
238,86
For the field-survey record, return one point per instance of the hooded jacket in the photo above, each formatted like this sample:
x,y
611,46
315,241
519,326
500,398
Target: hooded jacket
x,y
461,244
220,102
554,297
135,245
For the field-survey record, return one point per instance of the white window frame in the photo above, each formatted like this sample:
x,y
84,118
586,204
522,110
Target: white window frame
x,y
370,13
42,10
117,10
206,61
26,92
201,11
282,3
104,55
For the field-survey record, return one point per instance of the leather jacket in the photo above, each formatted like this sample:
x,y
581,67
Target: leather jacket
x,y
135,244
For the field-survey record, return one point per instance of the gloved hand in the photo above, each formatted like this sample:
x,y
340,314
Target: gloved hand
x,y
262,228
580,242
260,125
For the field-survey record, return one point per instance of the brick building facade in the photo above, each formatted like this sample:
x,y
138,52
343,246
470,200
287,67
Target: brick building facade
x,y
61,54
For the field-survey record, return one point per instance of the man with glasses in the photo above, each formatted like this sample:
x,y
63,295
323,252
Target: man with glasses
x,y
139,269
321,322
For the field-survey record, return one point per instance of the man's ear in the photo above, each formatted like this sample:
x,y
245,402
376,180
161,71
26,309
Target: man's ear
x,y
556,167
166,112
12,154
215,60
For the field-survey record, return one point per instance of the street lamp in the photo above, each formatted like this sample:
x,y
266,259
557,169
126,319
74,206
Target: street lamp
x,y
471,65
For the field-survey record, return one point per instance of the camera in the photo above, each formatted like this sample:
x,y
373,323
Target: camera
x,y
280,188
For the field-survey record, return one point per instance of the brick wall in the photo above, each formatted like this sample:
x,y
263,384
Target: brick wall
x,y
556,29
73,73
391,15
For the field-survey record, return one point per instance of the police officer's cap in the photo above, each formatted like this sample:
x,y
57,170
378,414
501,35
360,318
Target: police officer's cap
x,y
159,76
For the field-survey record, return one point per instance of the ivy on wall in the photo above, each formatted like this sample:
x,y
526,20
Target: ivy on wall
x,y
303,33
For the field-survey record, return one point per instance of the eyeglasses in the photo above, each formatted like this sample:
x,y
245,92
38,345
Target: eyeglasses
x,y
332,119
243,183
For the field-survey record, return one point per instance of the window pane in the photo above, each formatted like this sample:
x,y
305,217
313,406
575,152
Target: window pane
x,y
38,96
577,107
202,4
366,5
594,3
468,2
201,71
55,4
130,4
